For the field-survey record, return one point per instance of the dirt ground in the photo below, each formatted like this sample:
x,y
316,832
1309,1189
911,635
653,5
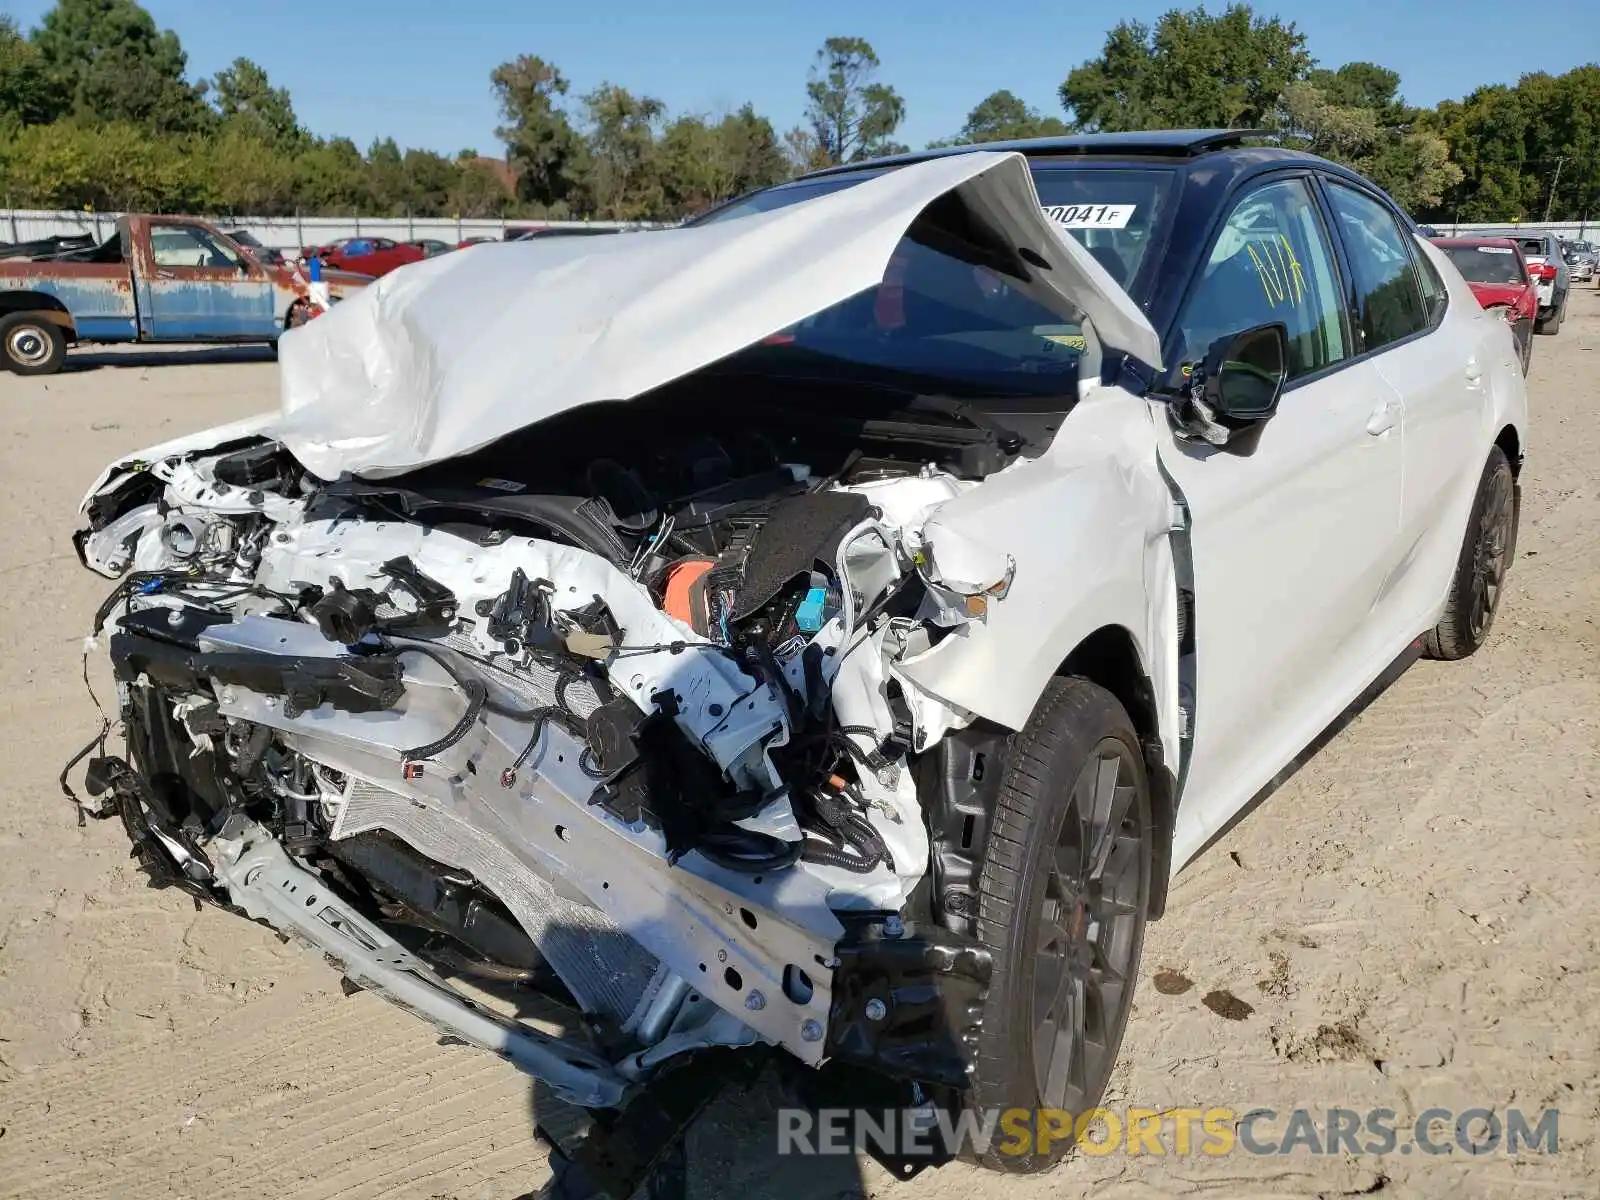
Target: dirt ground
x,y
1413,920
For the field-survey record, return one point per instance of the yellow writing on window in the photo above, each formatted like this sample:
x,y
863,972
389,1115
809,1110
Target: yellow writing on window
x,y
1278,270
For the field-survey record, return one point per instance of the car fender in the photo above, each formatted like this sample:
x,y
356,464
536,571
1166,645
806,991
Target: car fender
x,y
259,425
1088,527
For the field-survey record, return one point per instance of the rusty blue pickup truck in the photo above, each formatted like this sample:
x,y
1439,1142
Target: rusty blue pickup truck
x,y
158,279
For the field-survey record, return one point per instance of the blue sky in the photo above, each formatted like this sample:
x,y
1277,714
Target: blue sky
x,y
418,70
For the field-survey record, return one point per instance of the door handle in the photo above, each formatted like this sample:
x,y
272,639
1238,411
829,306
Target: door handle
x,y
1382,418
165,275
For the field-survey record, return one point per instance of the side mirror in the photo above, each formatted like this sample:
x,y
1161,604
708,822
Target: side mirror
x,y
1237,386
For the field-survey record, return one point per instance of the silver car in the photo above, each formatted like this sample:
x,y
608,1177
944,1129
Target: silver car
x,y
1580,260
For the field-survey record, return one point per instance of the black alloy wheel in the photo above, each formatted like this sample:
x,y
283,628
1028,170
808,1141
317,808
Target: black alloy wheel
x,y
1090,927
1490,554
1486,555
1062,901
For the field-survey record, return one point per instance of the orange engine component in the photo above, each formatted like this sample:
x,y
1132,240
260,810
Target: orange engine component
x,y
683,600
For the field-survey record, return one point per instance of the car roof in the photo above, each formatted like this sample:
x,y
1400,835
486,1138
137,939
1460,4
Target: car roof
x,y
1218,149
1149,143
1219,156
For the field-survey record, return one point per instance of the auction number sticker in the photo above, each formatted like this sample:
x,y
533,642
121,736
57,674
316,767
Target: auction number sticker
x,y
1091,216
1494,249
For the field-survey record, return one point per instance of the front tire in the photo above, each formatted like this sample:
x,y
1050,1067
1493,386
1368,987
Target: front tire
x,y
1063,896
31,345
1486,554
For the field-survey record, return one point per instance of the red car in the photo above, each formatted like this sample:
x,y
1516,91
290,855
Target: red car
x,y
366,255
1498,275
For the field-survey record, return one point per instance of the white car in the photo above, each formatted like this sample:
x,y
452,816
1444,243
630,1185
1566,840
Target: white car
x,y
825,626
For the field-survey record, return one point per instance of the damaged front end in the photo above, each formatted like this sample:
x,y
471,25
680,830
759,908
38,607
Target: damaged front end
x,y
647,750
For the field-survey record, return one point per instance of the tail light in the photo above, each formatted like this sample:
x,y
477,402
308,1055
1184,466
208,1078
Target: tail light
x,y
1543,272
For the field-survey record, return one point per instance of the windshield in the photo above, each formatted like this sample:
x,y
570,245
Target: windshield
x,y
1532,247
939,313
1486,264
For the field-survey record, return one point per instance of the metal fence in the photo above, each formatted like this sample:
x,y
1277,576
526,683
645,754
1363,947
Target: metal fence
x,y
284,233
293,233
1570,230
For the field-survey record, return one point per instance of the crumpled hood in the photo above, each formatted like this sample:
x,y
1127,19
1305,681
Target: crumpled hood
x,y
449,354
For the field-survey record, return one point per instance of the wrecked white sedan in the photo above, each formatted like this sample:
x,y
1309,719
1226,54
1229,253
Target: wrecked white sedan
x,y
820,628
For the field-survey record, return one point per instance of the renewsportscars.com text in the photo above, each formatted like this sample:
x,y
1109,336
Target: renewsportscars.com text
x,y
1174,1131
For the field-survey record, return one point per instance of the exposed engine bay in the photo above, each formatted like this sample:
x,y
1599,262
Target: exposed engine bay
x,y
610,710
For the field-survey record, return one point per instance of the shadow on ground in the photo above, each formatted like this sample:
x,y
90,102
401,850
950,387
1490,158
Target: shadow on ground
x,y
188,356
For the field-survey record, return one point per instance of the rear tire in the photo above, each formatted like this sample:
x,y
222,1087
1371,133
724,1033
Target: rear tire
x,y
1552,323
1063,897
1486,554
31,345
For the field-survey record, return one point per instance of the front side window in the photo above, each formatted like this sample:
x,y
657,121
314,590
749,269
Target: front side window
x,y
1389,303
1272,264
186,246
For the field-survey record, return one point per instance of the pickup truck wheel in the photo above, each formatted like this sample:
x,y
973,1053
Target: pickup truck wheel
x,y
1063,896
1480,573
31,345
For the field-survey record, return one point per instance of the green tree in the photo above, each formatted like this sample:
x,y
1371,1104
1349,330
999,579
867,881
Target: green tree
x,y
27,93
331,178
1367,86
105,167
541,145
702,163
243,175
429,180
1002,116
245,97
1510,141
109,58
478,190
386,177
622,180
852,116
1191,70
1412,165
803,151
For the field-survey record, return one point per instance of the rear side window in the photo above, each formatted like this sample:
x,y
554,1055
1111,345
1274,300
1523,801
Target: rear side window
x,y
1389,304
1435,296
1487,264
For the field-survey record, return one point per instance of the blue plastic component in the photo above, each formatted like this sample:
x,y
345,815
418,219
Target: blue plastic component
x,y
150,586
808,617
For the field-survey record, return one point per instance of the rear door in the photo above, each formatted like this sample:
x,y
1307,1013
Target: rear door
x,y
198,287
1436,365
1293,527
